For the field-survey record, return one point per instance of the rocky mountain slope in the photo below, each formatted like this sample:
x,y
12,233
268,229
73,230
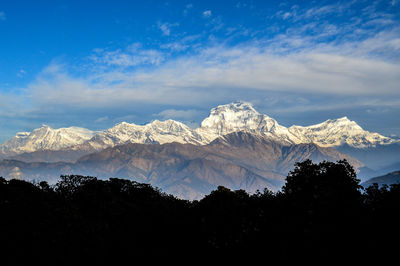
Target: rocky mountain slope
x,y
295,143
239,160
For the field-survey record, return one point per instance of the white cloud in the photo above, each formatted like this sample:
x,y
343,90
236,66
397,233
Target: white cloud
x,y
182,44
187,9
291,63
166,27
2,15
175,46
320,11
241,5
224,72
101,119
178,114
344,104
316,12
21,73
207,13
286,15
14,104
132,56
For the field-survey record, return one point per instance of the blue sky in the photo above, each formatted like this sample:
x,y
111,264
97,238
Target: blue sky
x,y
96,63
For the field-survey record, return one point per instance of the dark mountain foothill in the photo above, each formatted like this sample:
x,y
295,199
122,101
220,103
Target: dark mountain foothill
x,y
388,179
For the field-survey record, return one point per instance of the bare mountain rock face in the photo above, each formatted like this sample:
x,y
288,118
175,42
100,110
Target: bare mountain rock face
x,y
239,160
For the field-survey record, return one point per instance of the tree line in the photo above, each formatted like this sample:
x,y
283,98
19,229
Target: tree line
x,y
320,213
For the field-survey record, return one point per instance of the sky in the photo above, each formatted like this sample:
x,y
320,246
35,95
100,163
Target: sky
x,y
97,63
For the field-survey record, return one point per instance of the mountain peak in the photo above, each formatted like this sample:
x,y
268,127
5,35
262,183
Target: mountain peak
x,y
237,107
165,122
46,138
343,119
121,126
223,119
337,132
241,116
43,128
234,115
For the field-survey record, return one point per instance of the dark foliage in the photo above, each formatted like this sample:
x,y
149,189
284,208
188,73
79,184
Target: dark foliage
x,y
321,213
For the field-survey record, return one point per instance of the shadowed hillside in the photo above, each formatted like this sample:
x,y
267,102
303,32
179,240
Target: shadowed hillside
x,y
239,160
388,179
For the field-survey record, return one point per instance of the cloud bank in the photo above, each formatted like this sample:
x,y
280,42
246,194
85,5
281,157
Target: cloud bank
x,y
351,68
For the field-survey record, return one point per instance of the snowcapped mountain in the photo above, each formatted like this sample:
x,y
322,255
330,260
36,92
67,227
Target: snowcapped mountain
x,y
46,138
241,116
155,132
223,120
337,132
238,160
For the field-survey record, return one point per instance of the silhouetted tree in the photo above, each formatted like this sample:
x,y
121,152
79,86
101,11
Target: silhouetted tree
x,y
324,200
68,184
326,181
320,213
382,222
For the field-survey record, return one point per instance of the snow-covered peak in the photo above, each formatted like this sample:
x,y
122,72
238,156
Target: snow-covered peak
x,y
46,138
337,132
122,127
236,107
155,132
237,116
333,126
343,121
168,126
233,114
241,116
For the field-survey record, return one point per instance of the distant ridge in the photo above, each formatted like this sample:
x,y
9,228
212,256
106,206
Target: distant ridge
x,y
388,179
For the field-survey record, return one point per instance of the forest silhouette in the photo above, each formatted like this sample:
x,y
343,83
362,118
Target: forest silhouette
x,y
321,213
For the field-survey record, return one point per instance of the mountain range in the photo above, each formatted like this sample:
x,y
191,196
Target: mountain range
x,y
238,160
224,119
235,146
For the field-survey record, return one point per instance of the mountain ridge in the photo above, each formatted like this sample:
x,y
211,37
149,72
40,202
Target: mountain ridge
x,y
239,160
223,119
387,179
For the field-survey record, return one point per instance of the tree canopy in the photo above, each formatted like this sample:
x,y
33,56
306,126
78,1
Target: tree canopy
x,y
321,212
